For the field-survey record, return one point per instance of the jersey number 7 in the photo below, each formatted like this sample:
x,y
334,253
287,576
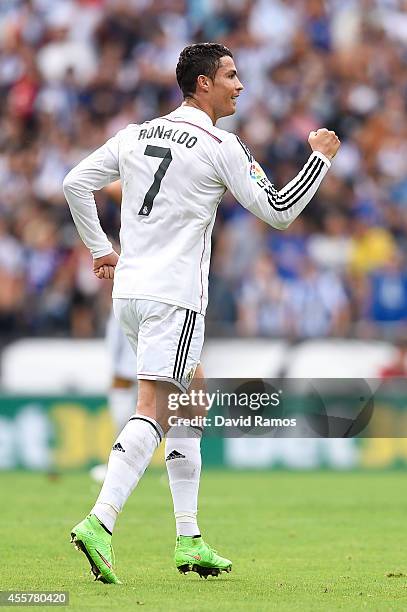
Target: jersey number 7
x,y
165,154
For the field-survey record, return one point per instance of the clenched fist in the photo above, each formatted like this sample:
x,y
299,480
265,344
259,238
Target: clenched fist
x,y
103,267
325,142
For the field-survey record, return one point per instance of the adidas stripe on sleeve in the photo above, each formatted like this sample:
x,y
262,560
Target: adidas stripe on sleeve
x,y
249,184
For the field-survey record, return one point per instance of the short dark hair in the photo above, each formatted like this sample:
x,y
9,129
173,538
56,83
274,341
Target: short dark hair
x,y
202,58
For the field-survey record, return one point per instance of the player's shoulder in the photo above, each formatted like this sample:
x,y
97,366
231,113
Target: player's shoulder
x,y
223,135
233,146
230,139
199,122
128,134
128,130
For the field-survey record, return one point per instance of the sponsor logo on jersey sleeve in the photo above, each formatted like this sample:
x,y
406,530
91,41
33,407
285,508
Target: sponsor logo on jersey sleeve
x,y
256,172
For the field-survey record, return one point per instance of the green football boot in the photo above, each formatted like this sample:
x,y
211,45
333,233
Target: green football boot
x,y
94,541
194,555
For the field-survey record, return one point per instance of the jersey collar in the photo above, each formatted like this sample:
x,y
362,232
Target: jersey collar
x,y
194,114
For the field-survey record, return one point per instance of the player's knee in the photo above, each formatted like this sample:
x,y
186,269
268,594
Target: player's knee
x,y
153,401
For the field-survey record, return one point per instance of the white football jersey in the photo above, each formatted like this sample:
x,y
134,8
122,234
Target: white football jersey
x,y
174,171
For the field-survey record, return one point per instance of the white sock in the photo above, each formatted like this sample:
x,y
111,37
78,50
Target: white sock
x,y
183,460
129,457
122,405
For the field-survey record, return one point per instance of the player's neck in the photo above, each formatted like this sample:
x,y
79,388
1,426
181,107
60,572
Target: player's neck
x,y
202,107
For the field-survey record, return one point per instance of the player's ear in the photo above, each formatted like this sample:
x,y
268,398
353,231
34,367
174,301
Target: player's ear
x,y
203,82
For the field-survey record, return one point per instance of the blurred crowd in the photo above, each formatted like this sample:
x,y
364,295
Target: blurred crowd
x,y
74,72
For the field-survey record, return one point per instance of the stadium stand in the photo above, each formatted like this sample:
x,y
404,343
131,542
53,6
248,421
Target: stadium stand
x,y
340,269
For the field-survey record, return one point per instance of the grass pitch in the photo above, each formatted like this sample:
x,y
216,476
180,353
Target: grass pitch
x,y
298,541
